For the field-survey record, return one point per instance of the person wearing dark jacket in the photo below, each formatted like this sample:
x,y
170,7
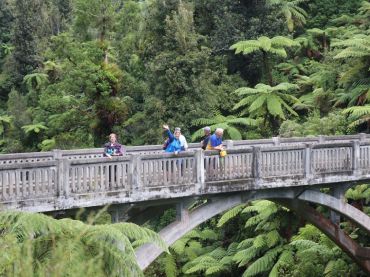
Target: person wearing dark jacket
x,y
207,135
113,148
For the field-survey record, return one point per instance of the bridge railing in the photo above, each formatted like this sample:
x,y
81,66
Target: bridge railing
x,y
92,153
141,174
19,182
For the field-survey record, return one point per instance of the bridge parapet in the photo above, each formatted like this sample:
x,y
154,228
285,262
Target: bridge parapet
x,y
62,183
92,153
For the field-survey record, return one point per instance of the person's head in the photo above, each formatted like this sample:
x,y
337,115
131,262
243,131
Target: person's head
x,y
177,132
113,138
219,132
207,130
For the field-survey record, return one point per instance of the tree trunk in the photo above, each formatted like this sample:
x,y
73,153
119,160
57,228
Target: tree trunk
x,y
267,68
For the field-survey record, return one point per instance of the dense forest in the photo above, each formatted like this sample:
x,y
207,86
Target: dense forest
x,y
73,71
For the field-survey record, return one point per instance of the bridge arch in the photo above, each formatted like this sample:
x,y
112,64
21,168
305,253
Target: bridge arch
x,y
293,199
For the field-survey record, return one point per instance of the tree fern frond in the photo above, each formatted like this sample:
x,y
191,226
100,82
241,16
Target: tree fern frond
x,y
286,257
272,238
230,215
209,234
259,242
244,256
245,243
170,267
263,264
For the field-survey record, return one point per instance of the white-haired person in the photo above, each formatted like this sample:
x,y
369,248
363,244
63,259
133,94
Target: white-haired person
x,y
215,140
183,142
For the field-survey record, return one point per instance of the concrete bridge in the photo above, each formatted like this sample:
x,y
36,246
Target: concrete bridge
x,y
288,171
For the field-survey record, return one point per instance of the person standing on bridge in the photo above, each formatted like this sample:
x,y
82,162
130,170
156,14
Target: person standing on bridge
x,y
182,139
113,148
215,141
174,143
207,135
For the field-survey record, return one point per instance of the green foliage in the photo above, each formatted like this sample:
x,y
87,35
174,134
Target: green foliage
x,y
71,72
293,13
266,101
41,245
228,123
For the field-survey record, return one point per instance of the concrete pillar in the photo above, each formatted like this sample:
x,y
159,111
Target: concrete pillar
x,y
362,137
307,161
229,144
276,140
337,192
356,157
182,212
135,173
257,170
200,172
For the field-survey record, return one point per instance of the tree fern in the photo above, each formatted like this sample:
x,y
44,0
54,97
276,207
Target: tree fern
x,y
285,258
263,264
264,100
358,114
230,215
231,125
244,256
68,245
356,47
170,266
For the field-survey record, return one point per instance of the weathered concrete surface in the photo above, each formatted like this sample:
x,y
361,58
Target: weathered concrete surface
x,y
361,255
348,211
149,252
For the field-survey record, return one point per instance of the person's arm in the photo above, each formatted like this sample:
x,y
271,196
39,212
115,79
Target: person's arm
x,y
170,135
216,144
219,147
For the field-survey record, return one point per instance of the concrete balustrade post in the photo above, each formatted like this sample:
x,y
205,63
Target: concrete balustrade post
x,y
257,159
307,161
135,171
356,157
229,144
321,138
60,178
276,140
57,154
199,163
66,189
362,137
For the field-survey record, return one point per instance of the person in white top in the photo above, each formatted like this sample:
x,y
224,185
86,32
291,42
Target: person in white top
x,y
182,139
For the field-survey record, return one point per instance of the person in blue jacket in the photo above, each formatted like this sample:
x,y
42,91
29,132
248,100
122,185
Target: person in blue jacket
x,y
174,144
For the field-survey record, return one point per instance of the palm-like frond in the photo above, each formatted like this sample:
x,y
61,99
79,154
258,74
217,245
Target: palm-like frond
x,y
70,246
230,215
356,47
266,100
229,123
275,45
263,264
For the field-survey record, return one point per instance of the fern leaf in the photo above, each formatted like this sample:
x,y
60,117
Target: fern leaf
x,y
230,215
